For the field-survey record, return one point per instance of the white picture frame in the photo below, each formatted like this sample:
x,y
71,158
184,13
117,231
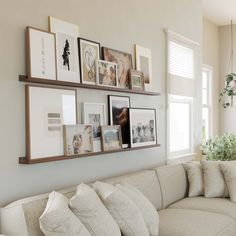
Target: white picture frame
x,y
93,113
66,49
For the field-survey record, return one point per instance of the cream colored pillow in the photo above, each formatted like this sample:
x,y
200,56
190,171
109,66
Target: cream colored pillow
x,y
195,178
214,183
123,210
58,220
149,213
88,207
229,171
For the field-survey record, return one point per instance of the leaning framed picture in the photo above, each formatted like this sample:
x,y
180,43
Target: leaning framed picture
x,y
47,110
119,115
78,139
137,80
40,54
66,49
124,62
89,52
142,127
143,61
95,115
111,138
106,73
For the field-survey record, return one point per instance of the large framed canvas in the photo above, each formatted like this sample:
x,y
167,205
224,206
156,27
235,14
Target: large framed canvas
x,y
40,54
78,139
66,49
119,115
47,110
143,61
95,115
89,52
142,127
124,62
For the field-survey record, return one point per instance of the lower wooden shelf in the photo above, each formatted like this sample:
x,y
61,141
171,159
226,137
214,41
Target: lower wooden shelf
x,y
24,160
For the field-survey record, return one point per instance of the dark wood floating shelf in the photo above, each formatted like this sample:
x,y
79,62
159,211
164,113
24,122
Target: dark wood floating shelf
x,y
26,79
24,160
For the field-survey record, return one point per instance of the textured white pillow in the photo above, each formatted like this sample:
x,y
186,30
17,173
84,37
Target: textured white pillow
x,y
123,210
214,183
195,178
58,220
149,213
88,207
229,171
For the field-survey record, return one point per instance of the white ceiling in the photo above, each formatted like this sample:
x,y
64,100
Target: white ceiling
x,y
220,11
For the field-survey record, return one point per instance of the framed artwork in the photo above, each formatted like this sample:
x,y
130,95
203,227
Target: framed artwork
x,y
89,52
47,110
106,73
111,138
142,127
143,59
78,139
137,80
66,49
119,115
95,115
124,62
41,54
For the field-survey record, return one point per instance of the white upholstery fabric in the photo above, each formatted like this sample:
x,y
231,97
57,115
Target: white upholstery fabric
x,y
149,213
123,210
195,179
87,206
214,183
229,171
58,220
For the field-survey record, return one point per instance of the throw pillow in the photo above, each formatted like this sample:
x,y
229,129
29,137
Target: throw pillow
x,y
229,171
88,207
123,210
214,183
58,220
149,213
195,178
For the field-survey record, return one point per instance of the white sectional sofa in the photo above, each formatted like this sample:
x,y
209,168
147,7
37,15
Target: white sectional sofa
x,y
166,187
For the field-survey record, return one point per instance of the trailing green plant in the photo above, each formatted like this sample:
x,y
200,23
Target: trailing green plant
x,y
221,148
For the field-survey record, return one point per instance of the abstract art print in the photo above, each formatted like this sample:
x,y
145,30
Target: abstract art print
x,y
89,52
142,127
124,62
78,139
137,80
66,49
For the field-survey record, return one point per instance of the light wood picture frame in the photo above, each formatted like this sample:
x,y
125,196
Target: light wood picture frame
x,y
137,80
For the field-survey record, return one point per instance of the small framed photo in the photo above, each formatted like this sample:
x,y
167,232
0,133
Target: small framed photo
x,y
95,115
78,139
89,52
143,59
41,54
119,115
124,62
111,138
137,80
106,73
142,127
66,49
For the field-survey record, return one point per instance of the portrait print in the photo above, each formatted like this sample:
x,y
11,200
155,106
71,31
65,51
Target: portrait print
x,y
95,120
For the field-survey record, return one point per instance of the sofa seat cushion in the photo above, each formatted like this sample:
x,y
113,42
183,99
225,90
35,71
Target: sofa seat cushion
x,y
216,205
183,222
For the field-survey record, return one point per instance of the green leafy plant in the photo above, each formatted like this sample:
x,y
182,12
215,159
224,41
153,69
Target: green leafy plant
x,y
221,148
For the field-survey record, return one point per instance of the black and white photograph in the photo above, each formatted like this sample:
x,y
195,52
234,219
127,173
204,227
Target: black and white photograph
x,y
142,127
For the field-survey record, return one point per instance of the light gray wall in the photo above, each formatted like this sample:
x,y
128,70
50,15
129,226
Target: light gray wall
x,y
116,24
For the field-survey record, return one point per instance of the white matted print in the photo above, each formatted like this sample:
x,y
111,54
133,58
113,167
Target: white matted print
x,y
67,49
143,59
78,139
95,115
41,54
48,109
142,127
